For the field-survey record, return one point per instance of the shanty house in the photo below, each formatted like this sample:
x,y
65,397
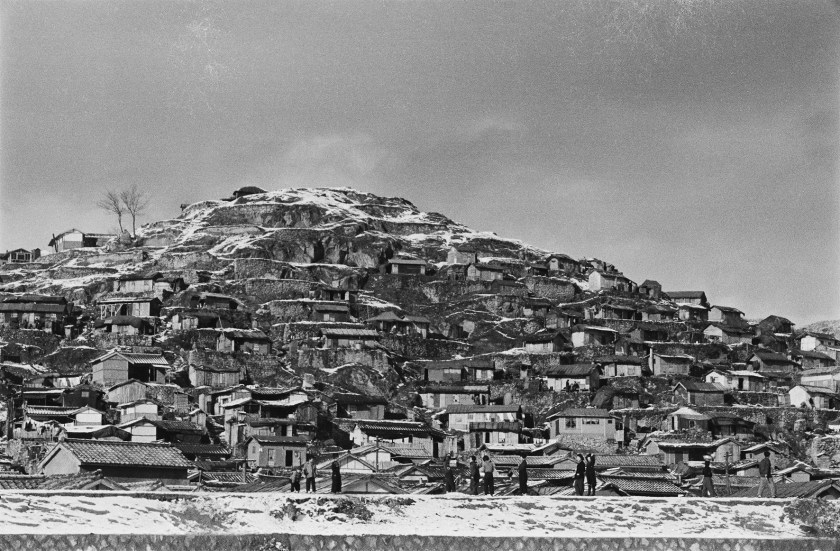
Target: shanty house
x,y
726,315
619,366
697,298
670,364
141,307
604,281
358,406
125,325
119,461
394,323
442,396
367,431
252,341
562,263
814,397
406,266
214,377
692,312
331,312
348,338
116,367
827,377
47,313
651,289
461,255
461,415
698,393
582,422
20,256
485,272
545,342
592,335
748,381
771,361
726,334
564,377
811,359
276,451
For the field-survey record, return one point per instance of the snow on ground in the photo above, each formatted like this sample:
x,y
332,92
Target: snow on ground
x,y
395,515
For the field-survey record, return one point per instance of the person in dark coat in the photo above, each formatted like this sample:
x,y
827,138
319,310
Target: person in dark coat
x,y
449,477
765,472
295,480
523,477
580,474
475,476
591,481
708,489
489,468
309,473
336,478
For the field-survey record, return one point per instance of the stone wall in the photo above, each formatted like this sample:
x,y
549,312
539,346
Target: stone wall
x,y
587,442
72,272
285,333
196,260
555,289
416,347
310,360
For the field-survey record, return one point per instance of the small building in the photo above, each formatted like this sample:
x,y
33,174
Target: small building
x,y
616,311
586,422
726,315
659,312
687,419
619,366
771,361
442,396
141,307
331,312
406,266
368,431
812,359
74,239
670,364
545,342
604,281
648,332
820,342
214,377
461,255
125,325
444,372
42,312
337,294
485,272
562,263
358,406
592,335
189,320
286,452
651,289
127,392
216,301
251,341
697,298
726,334
398,324
692,312
675,451
116,367
138,409
20,256
348,338
138,283
747,381
583,377
461,415
119,461
826,377
698,393
814,397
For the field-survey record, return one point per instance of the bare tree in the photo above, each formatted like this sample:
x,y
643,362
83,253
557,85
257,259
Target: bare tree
x,y
134,201
112,202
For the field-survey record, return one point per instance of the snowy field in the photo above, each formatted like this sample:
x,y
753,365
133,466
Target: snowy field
x,y
46,513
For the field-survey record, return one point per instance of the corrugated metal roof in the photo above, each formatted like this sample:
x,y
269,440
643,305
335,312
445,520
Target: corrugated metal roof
x,y
571,370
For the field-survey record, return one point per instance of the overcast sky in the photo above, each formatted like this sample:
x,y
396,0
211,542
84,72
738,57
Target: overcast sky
x,y
692,142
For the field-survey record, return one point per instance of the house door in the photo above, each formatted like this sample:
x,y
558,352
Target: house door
x,y
289,458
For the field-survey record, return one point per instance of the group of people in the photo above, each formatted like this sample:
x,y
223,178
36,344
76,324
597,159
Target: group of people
x,y
765,480
308,471
585,474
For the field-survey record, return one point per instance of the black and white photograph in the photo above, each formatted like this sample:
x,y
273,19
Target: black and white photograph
x,y
420,275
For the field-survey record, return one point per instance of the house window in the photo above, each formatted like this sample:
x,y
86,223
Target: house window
x,y
571,422
271,457
591,422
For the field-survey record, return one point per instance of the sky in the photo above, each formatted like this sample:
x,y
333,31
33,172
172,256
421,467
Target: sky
x,y
694,142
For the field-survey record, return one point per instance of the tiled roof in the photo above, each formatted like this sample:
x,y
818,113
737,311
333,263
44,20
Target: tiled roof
x,y
533,461
287,440
582,412
136,359
227,477
477,408
550,474
204,450
358,333
793,489
80,481
618,460
633,485
128,454
698,386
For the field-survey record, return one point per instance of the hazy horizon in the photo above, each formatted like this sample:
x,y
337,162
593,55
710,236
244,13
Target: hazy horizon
x,y
695,143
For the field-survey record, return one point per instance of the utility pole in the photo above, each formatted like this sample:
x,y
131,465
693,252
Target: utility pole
x,y
727,455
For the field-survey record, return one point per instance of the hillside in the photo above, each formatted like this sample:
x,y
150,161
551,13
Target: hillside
x,y
830,327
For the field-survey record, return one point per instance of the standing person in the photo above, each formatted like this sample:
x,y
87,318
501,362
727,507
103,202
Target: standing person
x,y
708,489
475,476
580,474
591,481
309,474
449,477
295,480
523,477
765,473
489,489
336,478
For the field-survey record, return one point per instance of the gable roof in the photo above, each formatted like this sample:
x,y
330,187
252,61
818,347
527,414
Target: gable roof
x,y
132,358
686,294
280,440
477,408
592,413
356,333
122,454
813,488
698,386
571,370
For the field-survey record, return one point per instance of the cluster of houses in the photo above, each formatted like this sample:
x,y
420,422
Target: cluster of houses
x,y
186,379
